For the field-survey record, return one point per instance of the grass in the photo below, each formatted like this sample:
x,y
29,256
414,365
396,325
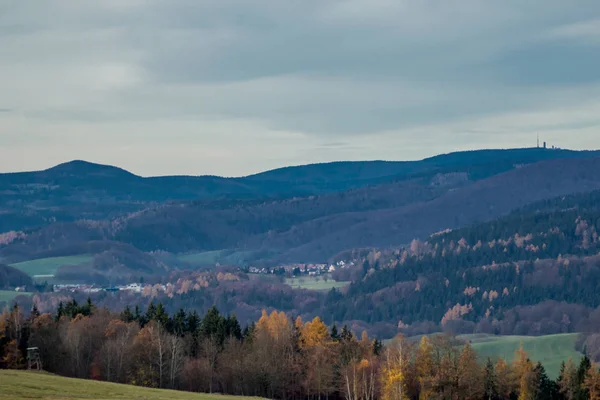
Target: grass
x,y
203,258
49,266
314,283
210,258
9,295
550,350
20,385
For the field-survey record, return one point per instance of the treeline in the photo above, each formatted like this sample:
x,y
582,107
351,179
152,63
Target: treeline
x,y
524,259
276,357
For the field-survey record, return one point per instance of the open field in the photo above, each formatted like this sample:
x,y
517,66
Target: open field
x,y
550,350
315,283
210,258
49,266
20,385
9,295
203,258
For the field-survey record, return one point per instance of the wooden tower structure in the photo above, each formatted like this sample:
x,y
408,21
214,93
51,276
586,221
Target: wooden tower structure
x,y
33,358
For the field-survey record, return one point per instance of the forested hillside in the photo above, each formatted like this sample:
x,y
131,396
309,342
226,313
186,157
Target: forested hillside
x,y
276,357
535,271
445,192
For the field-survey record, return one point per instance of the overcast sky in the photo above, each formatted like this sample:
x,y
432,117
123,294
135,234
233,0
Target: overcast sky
x,y
234,87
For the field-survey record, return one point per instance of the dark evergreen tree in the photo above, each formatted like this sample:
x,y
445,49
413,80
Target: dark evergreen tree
x,y
489,381
126,315
178,323
584,367
545,388
60,311
334,333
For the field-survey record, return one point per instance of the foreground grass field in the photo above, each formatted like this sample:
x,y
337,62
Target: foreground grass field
x,y
314,283
550,350
9,295
20,385
48,266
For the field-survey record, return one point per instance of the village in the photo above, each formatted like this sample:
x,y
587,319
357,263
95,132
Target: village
x,y
297,270
288,270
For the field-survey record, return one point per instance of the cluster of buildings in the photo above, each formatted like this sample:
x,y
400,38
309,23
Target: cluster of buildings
x,y
87,288
300,269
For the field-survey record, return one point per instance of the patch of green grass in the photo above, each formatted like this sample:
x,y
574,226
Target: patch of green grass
x,y
203,258
21,385
315,283
9,295
49,266
550,350
210,258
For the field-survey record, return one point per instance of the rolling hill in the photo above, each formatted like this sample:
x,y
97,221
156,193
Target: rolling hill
x,y
423,197
21,385
82,190
11,278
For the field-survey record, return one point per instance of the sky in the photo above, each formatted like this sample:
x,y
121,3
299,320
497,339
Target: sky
x,y
230,88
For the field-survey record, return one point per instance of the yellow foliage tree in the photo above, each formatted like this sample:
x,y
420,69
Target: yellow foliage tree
x,y
276,325
314,333
470,375
425,368
523,368
505,378
592,382
393,372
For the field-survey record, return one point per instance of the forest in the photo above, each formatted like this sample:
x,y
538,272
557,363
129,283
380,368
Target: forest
x,y
275,357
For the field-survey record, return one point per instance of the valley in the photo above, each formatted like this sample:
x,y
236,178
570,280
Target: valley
x,y
498,243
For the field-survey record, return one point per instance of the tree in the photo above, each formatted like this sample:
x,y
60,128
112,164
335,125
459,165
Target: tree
x,y
490,381
505,377
114,356
395,373
46,337
523,368
175,347
545,389
470,377
592,383
568,381
582,371
126,315
318,348
425,368
150,356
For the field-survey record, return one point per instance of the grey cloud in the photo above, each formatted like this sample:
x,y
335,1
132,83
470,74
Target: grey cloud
x,y
331,71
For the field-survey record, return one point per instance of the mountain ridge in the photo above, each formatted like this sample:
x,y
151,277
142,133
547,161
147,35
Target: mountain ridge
x,y
316,227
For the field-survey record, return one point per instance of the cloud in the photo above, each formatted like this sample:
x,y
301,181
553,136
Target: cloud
x,y
232,87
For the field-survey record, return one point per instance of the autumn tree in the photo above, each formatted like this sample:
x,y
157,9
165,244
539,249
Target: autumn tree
x,y
318,348
592,383
425,369
506,379
397,373
524,370
470,376
568,381
114,356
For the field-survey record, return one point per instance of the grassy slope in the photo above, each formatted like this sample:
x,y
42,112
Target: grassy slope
x,y
20,385
48,266
550,350
8,295
311,283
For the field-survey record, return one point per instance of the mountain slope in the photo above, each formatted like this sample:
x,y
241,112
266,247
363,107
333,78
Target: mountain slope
x,y
11,278
81,190
317,227
484,200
